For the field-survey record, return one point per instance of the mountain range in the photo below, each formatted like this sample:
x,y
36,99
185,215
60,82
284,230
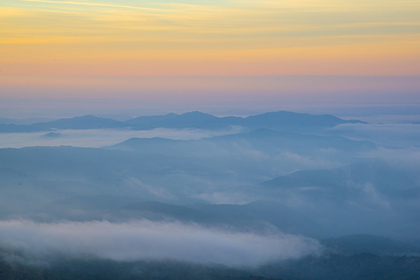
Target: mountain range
x,y
197,120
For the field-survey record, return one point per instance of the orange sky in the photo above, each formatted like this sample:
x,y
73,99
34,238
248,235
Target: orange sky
x,y
51,45
220,38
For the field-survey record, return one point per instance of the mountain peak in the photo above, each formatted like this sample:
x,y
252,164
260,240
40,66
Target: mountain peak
x,y
198,114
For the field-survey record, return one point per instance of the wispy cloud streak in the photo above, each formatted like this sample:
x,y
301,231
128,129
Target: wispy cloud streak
x,y
100,5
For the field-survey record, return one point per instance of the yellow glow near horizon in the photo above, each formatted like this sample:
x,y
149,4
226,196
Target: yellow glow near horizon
x,y
340,37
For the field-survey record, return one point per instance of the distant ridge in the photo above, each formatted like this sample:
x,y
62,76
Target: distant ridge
x,y
84,122
283,118
76,123
196,120
262,139
187,120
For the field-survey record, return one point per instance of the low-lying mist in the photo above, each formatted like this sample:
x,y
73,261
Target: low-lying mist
x,y
147,240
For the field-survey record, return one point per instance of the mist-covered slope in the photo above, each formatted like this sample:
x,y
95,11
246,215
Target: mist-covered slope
x,y
282,192
189,172
386,178
264,140
255,216
372,244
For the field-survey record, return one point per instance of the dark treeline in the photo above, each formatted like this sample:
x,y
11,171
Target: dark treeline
x,y
327,267
93,269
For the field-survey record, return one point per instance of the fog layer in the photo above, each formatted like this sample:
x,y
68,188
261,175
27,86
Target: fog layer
x,y
146,240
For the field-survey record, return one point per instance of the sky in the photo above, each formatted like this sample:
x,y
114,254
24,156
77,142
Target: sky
x,y
222,56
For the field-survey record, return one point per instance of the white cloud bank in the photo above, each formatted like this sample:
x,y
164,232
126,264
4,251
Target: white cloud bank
x,y
146,240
